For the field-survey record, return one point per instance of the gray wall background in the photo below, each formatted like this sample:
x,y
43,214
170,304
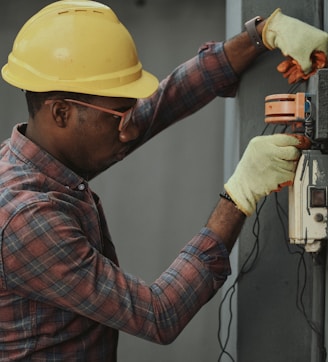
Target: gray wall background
x,y
158,198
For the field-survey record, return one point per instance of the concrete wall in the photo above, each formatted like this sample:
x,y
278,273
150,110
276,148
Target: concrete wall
x,y
270,325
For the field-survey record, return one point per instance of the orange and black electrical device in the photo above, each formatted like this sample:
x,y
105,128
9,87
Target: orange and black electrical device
x,y
306,114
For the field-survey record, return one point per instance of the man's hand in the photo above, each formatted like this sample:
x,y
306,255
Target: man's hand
x,y
295,39
268,163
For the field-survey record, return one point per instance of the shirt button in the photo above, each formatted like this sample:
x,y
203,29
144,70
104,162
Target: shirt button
x,y
81,187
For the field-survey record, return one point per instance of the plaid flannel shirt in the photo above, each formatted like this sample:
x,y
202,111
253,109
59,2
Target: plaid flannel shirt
x,y
63,296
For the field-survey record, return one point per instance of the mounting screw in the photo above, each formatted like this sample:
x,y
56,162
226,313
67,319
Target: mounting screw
x,y
318,217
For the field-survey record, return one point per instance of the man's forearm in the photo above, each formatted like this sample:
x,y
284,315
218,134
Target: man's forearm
x,y
226,221
240,50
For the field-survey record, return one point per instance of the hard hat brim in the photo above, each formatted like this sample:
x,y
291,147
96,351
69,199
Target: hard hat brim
x,y
142,87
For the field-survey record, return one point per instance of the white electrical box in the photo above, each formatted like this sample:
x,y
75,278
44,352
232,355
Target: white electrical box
x,y
308,201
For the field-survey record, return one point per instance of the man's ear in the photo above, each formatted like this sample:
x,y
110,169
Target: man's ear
x,y
61,112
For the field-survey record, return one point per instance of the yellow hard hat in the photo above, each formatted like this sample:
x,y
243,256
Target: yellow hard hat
x,y
77,46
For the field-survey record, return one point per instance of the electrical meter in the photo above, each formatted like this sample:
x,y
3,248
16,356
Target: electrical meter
x,y
307,114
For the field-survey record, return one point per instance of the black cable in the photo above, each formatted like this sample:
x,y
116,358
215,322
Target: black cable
x,y
300,287
255,254
245,269
300,290
223,347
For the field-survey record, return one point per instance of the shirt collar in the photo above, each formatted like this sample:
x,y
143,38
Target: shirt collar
x,y
30,153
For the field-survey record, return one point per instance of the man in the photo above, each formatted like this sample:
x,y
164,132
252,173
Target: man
x,y
63,295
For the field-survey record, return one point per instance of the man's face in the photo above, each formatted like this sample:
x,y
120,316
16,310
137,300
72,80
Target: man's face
x,y
94,141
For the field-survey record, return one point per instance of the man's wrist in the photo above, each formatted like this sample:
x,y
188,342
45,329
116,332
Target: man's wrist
x,y
226,222
226,196
251,28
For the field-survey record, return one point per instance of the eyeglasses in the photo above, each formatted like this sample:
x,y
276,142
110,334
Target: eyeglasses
x,y
124,117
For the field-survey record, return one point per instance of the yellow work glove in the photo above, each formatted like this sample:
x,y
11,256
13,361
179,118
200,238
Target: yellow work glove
x,y
268,163
294,38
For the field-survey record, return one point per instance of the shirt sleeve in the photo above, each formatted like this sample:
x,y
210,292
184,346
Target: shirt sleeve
x,y
187,89
47,257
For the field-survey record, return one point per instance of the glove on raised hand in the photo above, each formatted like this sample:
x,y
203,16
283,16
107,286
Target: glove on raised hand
x,y
294,38
291,70
268,164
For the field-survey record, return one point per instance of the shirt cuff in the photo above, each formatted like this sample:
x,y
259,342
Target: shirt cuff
x,y
208,247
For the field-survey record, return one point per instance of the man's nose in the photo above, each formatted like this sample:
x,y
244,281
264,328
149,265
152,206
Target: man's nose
x,y
129,133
